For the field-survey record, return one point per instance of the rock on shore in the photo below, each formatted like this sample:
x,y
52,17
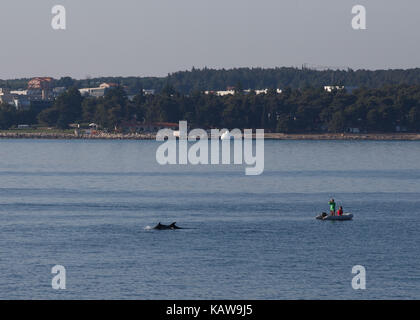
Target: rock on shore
x,y
268,136
63,135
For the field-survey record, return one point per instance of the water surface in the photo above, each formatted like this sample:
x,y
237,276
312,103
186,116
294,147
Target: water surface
x,y
87,204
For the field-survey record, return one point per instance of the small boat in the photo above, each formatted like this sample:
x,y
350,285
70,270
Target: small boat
x,y
344,217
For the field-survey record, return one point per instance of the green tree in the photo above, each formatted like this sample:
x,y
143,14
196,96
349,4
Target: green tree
x,y
337,123
69,106
414,118
7,116
49,117
89,106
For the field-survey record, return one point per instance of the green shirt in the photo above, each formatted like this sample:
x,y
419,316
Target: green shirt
x,y
332,205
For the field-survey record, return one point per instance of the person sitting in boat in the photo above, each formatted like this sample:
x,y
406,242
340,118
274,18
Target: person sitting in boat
x,y
340,211
332,207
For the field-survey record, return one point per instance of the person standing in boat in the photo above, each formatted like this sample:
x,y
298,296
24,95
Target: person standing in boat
x,y
332,207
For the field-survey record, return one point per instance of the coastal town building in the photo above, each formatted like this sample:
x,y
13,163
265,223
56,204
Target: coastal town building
x,y
19,92
40,88
221,93
98,91
349,89
92,92
232,91
333,88
263,91
5,96
148,92
19,101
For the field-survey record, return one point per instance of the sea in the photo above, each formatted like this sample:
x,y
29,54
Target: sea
x,y
90,206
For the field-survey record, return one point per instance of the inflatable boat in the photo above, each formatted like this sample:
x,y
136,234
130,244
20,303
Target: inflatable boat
x,y
344,217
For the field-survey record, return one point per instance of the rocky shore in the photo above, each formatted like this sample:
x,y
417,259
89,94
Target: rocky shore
x,y
344,136
152,136
64,135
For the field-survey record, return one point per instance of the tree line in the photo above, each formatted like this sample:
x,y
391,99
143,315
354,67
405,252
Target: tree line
x,y
308,110
187,82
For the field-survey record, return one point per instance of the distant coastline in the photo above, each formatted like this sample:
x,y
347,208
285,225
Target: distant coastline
x,y
268,136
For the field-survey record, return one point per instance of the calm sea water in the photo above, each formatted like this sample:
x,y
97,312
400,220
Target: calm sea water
x,y
86,205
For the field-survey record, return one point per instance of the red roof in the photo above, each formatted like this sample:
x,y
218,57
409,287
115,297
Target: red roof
x,y
40,83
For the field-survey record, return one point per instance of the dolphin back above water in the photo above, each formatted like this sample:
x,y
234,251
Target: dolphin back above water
x,y
172,226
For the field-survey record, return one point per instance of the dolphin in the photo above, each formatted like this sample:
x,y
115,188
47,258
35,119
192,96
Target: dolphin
x,y
172,226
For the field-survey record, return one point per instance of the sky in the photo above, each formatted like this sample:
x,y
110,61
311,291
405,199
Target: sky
x,y
157,37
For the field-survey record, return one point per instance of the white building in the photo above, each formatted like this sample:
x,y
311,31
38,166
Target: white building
x,y
97,92
19,92
16,98
225,93
22,102
148,92
232,92
349,89
333,88
6,96
263,91
92,92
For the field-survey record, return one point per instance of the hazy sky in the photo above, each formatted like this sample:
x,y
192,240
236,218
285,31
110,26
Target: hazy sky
x,y
156,37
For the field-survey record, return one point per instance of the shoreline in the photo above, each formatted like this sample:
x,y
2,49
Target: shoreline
x,y
345,136
268,136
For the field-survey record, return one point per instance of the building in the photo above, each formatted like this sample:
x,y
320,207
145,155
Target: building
x,y
263,91
349,89
231,91
19,92
15,98
40,88
108,85
21,102
148,92
97,92
333,88
6,96
21,99
221,93
92,92
40,83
